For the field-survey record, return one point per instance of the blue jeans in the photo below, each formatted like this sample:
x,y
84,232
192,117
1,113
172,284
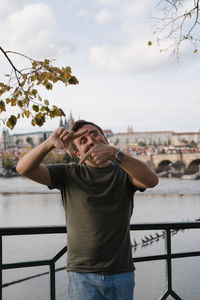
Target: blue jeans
x,y
90,286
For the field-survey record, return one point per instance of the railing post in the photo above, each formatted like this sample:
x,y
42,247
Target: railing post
x,y
52,281
169,261
1,270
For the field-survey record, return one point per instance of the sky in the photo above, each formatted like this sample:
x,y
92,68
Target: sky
x,y
122,81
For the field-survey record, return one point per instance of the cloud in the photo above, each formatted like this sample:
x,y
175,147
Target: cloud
x,y
108,1
136,8
32,29
135,56
104,16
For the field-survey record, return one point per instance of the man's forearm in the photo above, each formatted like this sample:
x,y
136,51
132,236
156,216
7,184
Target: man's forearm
x,y
139,171
142,175
31,160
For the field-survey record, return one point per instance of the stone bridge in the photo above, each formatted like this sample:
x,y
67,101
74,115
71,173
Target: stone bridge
x,y
188,163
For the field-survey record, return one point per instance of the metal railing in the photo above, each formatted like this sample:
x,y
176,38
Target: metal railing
x,y
168,256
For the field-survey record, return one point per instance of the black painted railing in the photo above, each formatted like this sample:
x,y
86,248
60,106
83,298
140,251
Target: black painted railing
x,y
168,256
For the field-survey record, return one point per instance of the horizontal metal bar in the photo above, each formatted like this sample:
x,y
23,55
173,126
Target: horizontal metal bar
x,y
6,231
149,258
26,264
165,256
165,226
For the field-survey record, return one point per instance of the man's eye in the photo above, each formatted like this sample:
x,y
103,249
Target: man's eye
x,y
83,141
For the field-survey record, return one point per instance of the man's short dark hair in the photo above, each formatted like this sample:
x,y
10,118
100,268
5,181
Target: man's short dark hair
x,y
79,124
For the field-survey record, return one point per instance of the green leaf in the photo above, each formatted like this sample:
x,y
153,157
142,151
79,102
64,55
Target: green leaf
x,y
2,106
73,80
49,86
11,122
34,92
68,69
35,107
20,103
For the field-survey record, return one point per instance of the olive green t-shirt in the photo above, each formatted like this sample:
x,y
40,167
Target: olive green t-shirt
x,y
98,206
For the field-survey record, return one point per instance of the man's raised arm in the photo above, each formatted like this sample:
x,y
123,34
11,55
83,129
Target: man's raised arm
x,y
30,165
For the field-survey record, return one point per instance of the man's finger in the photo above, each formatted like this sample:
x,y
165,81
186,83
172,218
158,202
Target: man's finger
x,y
77,135
85,157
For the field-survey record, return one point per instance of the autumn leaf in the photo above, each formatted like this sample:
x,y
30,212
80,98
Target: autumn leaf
x,y
20,103
46,102
11,122
73,80
27,113
49,86
35,108
34,92
25,84
2,106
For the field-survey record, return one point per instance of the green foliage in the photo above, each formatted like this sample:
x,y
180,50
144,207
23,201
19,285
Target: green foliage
x,y
21,90
8,163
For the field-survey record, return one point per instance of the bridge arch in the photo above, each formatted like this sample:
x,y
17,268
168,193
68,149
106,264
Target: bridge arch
x,y
193,167
164,165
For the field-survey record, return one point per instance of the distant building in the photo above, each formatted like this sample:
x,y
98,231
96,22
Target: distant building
x,y
155,138
67,123
148,138
5,140
182,138
108,133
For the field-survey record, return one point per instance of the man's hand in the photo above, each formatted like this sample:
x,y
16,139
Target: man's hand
x,y
98,154
62,138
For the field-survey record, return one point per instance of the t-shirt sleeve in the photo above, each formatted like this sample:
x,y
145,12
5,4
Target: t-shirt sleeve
x,y
59,175
134,188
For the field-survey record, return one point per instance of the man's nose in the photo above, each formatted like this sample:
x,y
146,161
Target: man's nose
x,y
90,141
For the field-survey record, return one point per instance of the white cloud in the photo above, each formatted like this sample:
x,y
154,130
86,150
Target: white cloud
x,y
135,56
9,6
108,1
33,30
136,8
82,13
103,17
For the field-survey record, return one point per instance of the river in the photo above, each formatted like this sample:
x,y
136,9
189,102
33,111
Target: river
x,y
26,203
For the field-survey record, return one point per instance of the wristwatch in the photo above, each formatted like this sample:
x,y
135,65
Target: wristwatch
x,y
119,156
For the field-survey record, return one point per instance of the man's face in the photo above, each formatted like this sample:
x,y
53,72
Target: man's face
x,y
84,143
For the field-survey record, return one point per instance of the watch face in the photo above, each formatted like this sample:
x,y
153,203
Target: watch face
x,y
119,156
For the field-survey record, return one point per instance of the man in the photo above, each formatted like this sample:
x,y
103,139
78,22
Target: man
x,y
97,195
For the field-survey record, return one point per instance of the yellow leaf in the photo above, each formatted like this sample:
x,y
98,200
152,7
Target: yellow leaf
x,y
27,113
149,43
68,69
11,122
34,64
35,108
196,50
46,102
34,92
